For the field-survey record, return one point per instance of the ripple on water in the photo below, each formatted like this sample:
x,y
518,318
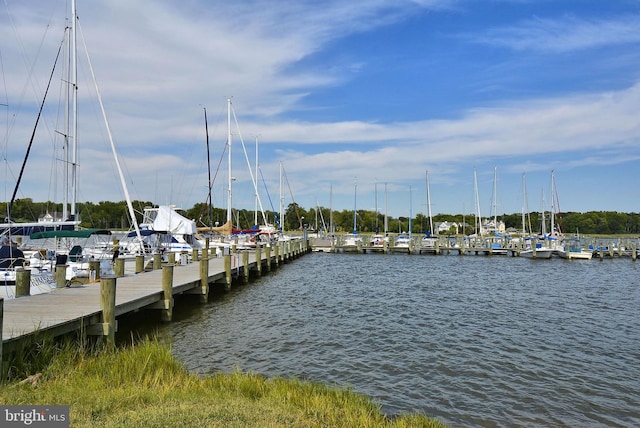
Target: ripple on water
x,y
488,341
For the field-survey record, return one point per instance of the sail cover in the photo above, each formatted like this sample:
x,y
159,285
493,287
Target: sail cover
x,y
168,220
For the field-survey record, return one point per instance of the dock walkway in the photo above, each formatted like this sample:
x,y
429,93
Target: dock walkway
x,y
81,307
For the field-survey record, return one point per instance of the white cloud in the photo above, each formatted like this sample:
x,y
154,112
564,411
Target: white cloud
x,y
563,35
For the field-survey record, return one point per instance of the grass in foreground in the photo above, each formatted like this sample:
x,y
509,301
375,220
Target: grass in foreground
x,y
145,386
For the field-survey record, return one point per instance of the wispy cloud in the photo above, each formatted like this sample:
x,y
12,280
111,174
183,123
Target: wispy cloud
x,y
563,35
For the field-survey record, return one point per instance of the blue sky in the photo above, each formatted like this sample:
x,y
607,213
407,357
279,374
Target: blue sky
x,y
349,96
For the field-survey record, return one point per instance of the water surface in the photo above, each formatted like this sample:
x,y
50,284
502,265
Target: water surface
x,y
472,340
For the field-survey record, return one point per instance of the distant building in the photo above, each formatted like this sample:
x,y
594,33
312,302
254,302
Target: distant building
x,y
444,227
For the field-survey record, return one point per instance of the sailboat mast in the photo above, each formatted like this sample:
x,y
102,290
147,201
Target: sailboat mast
x,y
206,129
376,199
255,217
495,197
74,112
410,211
429,205
355,204
477,197
281,200
229,200
386,219
553,199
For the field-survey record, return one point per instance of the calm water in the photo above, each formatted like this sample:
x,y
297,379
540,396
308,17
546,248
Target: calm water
x,y
472,340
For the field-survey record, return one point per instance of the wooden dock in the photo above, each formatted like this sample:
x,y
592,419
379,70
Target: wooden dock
x,y
82,307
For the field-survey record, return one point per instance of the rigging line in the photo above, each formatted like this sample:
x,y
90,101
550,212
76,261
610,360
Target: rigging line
x,y
33,134
269,197
224,150
291,193
113,147
253,177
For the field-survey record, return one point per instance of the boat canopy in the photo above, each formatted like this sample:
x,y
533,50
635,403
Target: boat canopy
x,y
168,220
83,233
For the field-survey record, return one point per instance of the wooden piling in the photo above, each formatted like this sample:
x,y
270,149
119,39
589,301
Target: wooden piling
x,y
118,268
23,282
157,261
167,291
267,253
1,339
171,257
204,280
61,275
276,250
108,304
258,260
139,263
194,255
94,270
245,267
227,271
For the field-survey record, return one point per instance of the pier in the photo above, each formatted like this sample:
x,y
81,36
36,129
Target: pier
x,y
601,248
93,308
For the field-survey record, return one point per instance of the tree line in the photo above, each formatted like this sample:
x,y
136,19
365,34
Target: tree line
x,y
114,215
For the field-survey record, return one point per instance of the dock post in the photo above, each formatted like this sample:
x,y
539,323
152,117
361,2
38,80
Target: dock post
x,y
23,282
258,260
204,279
276,256
171,257
245,267
227,271
61,275
108,303
157,261
194,255
139,263
267,253
1,324
167,291
94,270
118,269
634,253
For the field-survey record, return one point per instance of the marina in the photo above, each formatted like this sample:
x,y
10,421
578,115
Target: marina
x,y
584,248
93,308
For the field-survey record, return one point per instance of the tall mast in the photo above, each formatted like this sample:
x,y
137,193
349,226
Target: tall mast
x,y
553,199
255,217
495,197
229,217
331,209
281,200
386,219
410,211
478,217
355,204
429,205
376,198
74,112
206,129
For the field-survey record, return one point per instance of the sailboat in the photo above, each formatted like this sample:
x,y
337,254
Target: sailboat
x,y
428,244
532,248
378,241
353,241
569,248
66,229
494,245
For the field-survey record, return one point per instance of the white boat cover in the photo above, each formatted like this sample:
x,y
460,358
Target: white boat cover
x,y
168,220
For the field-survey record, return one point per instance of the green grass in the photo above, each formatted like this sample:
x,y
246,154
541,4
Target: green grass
x,y
145,386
